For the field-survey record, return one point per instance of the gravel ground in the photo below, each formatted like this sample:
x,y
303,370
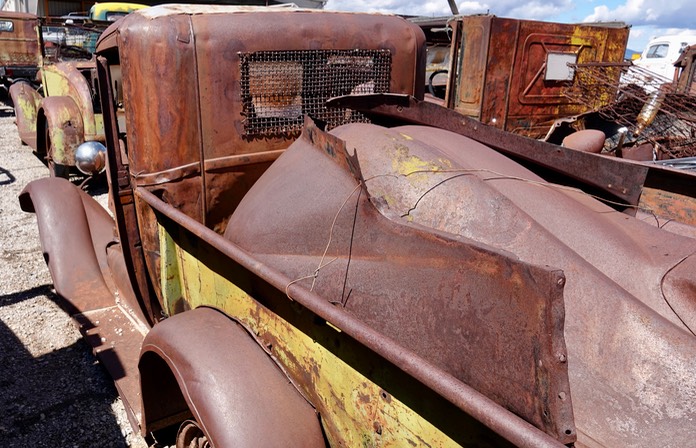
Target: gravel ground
x,y
53,393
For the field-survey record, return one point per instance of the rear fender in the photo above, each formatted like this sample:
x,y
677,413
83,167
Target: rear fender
x,y
65,128
205,362
74,231
26,102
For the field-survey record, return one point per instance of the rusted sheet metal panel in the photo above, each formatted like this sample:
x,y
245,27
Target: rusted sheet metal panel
x,y
482,317
26,101
512,62
65,128
19,47
472,41
642,323
161,115
219,40
69,79
669,205
206,120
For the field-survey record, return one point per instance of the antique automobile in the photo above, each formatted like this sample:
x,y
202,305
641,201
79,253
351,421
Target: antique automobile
x,y
65,111
19,49
302,252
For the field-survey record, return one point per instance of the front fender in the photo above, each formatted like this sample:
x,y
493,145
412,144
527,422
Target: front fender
x,y
65,128
74,231
203,360
26,102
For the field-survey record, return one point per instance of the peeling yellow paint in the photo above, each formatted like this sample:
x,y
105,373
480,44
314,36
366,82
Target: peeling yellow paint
x,y
354,410
405,164
405,136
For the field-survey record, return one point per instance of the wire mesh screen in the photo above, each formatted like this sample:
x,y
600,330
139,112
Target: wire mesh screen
x,y
643,102
280,87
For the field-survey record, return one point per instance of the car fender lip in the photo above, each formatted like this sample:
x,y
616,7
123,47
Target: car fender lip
x,y
74,262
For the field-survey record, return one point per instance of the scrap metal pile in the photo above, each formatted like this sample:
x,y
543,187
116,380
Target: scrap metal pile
x,y
647,116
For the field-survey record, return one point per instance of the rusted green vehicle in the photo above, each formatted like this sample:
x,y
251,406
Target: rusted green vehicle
x,y
303,253
64,111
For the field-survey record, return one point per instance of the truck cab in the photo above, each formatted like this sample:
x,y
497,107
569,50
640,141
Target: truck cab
x,y
20,53
662,52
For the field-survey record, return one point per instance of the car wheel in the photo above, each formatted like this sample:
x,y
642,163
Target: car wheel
x,y
190,435
55,169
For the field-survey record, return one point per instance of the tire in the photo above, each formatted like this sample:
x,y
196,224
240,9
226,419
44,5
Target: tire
x,y
190,435
54,169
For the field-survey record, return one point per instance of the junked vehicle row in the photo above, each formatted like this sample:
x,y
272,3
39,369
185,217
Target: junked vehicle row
x,y
301,251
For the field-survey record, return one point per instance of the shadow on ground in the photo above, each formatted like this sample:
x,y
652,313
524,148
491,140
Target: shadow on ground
x,y
6,177
59,399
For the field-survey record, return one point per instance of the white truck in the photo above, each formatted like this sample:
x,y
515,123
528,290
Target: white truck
x,y
662,52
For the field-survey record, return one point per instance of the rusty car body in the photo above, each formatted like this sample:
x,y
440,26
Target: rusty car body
x,y
284,268
510,73
60,117
20,53
57,116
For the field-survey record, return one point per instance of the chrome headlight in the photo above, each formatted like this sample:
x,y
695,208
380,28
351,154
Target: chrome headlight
x,y
90,158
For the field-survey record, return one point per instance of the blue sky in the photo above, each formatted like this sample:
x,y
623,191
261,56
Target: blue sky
x,y
648,18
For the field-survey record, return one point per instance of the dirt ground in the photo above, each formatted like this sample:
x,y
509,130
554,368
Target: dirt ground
x,y
53,393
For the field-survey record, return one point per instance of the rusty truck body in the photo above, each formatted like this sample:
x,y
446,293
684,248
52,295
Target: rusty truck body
x,y
304,253
20,53
510,73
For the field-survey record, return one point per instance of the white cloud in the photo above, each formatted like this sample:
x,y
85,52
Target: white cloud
x,y
535,9
407,7
657,13
538,10
473,7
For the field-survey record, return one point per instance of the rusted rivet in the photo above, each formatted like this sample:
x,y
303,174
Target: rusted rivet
x,y
399,108
562,357
385,396
562,395
378,427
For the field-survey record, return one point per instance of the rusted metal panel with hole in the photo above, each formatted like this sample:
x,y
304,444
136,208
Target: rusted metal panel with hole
x,y
511,72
